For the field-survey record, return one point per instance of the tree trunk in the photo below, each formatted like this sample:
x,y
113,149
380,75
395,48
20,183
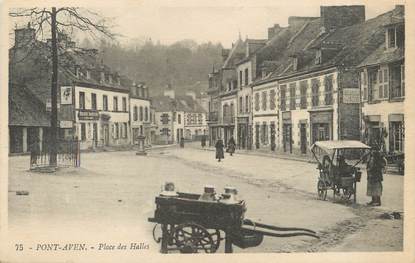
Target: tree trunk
x,y
54,112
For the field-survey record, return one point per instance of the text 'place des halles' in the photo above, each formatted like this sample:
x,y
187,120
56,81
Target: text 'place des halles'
x,y
294,142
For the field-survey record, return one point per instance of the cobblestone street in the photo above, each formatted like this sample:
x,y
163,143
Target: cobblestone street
x,y
112,196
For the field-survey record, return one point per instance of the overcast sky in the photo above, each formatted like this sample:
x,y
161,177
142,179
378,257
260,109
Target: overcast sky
x,y
169,21
218,21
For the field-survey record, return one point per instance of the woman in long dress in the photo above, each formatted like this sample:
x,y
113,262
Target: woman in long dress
x,y
219,150
231,146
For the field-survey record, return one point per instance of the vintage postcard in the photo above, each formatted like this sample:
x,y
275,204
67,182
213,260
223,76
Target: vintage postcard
x,y
138,131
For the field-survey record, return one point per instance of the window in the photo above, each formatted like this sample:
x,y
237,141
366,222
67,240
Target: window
x,y
303,94
247,103
141,113
179,118
83,132
105,102
117,131
82,100
396,136
200,118
125,130
241,106
363,81
229,85
264,133
257,101
328,89
397,81
135,113
246,77
240,78
295,63
264,100
383,78
124,104
225,111
283,95
373,79
115,106
232,113
292,96
391,37
318,57
146,114
315,86
272,97
93,101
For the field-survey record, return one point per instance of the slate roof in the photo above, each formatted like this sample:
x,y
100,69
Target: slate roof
x,y
25,109
354,44
237,52
379,56
35,70
179,103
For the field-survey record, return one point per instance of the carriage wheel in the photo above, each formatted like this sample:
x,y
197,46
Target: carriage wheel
x,y
215,234
193,238
347,193
321,190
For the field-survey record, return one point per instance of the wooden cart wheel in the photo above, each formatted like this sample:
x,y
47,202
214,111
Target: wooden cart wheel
x,y
321,190
193,238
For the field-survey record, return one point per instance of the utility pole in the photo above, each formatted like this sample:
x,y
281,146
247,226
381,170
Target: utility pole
x,y
54,93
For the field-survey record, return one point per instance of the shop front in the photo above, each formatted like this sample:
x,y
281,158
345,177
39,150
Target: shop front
x,y
321,125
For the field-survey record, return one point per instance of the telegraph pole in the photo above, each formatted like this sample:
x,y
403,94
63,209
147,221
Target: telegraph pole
x,y
54,93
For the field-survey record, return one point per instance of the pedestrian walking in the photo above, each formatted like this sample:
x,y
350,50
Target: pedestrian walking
x,y
375,166
219,150
182,142
231,146
203,141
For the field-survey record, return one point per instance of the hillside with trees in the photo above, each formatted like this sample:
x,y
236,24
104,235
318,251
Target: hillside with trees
x,y
184,64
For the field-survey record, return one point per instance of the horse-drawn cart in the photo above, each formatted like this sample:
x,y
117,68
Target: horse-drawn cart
x,y
192,225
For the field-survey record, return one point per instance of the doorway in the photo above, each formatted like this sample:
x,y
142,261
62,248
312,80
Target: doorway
x,y
303,138
287,138
105,128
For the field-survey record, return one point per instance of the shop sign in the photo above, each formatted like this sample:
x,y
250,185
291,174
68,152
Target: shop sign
x,y
88,115
351,95
66,95
66,124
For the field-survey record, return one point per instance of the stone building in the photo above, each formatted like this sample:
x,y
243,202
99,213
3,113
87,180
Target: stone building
x,y
382,85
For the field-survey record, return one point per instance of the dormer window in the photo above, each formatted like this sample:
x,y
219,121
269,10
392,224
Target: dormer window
x,y
391,38
102,77
318,57
295,63
77,72
110,79
88,74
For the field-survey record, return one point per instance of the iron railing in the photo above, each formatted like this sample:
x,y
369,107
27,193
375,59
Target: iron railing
x,y
68,154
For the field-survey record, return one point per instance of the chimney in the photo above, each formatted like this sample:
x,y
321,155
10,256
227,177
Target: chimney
x,y
24,37
272,31
191,94
297,21
333,17
169,92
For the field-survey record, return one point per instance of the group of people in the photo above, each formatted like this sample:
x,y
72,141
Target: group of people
x,y
220,148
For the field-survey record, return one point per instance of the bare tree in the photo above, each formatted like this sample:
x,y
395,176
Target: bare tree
x,y
64,19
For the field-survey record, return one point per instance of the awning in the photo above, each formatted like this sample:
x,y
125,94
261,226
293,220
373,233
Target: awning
x,y
340,144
